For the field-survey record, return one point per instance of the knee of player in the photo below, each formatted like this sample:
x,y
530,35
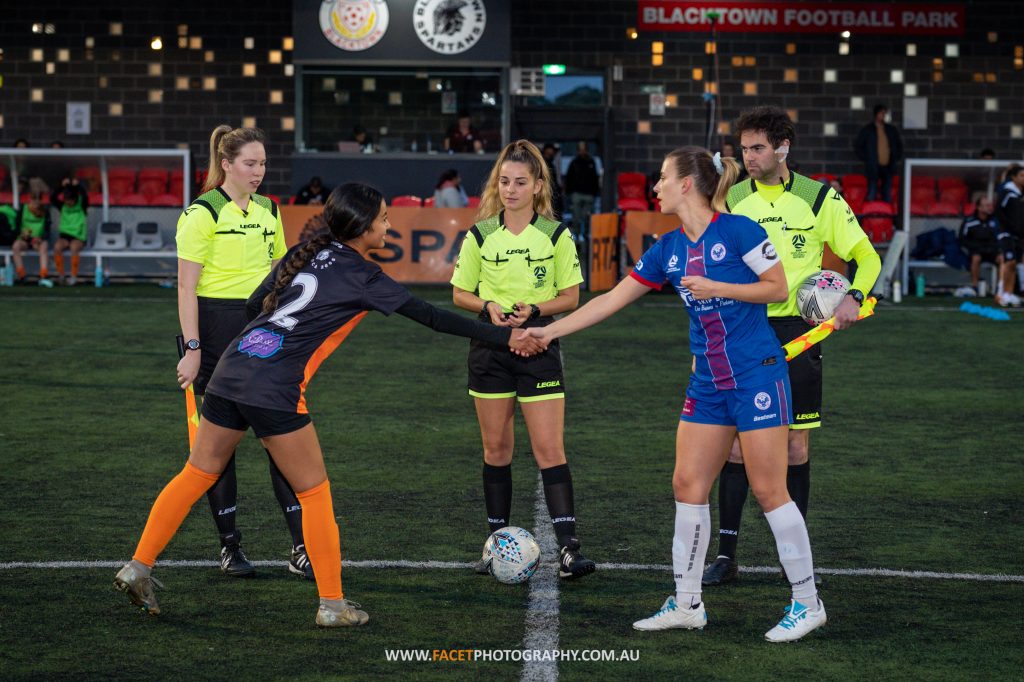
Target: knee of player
x,y
688,490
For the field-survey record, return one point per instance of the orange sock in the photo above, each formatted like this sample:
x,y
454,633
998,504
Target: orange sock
x,y
21,272
74,264
323,543
170,509
43,273
58,262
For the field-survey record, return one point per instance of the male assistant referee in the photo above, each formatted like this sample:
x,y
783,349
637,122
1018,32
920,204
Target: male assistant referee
x,y
801,216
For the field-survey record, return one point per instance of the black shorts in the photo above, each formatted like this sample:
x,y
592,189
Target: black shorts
x,y
497,372
264,421
68,237
804,373
220,321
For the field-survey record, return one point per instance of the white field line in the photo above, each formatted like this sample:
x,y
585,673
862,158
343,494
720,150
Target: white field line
x,y
542,619
460,565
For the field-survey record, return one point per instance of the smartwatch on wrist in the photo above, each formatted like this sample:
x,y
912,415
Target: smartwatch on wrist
x,y
192,344
534,311
483,311
857,295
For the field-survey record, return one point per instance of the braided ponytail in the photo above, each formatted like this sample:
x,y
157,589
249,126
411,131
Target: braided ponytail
x,y
286,273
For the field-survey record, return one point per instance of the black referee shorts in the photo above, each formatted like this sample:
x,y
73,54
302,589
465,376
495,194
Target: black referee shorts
x,y
220,321
804,373
264,421
497,372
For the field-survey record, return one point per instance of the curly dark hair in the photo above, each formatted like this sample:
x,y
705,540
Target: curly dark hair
x,y
774,122
349,212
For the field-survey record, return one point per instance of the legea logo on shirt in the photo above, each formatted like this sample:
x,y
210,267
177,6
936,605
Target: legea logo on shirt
x,y
762,401
718,252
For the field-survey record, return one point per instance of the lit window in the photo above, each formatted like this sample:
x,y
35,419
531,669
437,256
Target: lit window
x,y
952,50
195,43
116,28
793,115
749,61
857,103
369,84
911,50
990,77
156,69
51,68
63,55
830,76
395,98
724,127
830,130
182,29
910,90
1017,132
208,56
248,70
249,122
991,104
276,96
658,47
896,76
287,43
274,56
993,37
210,83
182,42
737,61
330,84
844,48
698,74
950,118
37,55
289,70
103,81
181,83
90,42
750,88
115,109
790,75
288,123
643,127
37,94
156,96
657,59
790,48
249,43
937,76
671,101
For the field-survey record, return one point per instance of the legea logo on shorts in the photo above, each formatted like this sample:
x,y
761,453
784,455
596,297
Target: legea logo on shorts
x,y
718,252
762,401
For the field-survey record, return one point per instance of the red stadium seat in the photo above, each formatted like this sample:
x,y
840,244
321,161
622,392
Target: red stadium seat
x,y
968,207
877,221
165,200
95,198
276,199
90,177
130,199
854,180
152,181
631,186
6,197
826,178
474,202
952,190
945,208
922,181
629,204
407,200
855,193
855,204
428,202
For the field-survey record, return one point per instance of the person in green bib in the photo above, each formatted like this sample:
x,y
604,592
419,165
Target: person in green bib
x,y
228,240
518,267
32,223
73,230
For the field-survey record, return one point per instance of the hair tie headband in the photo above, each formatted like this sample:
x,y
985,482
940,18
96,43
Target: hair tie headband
x,y
717,160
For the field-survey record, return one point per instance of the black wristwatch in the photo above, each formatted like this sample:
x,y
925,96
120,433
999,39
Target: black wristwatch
x,y
857,295
483,311
534,311
192,344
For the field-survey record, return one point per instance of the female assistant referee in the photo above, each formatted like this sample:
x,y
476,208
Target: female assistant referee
x,y
725,270
309,303
517,268
228,239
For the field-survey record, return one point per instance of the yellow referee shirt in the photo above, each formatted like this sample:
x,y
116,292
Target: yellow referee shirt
x,y
532,266
800,217
234,246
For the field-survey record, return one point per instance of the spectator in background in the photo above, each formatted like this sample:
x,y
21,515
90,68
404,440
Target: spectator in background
x,y
449,192
72,201
979,235
32,223
550,154
363,139
582,185
463,138
313,193
729,151
1010,212
21,143
880,147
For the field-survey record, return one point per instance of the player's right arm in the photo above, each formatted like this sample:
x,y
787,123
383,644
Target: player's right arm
x,y
596,310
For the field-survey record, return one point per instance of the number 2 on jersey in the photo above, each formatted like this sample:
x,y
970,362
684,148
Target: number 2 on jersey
x,y
282,316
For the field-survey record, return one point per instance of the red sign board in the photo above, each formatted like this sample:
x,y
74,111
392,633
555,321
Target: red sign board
x,y
804,17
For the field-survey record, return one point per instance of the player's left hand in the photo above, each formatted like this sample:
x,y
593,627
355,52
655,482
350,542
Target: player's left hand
x,y
846,313
702,288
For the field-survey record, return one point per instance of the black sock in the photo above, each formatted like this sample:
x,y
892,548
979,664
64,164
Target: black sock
x,y
732,495
223,497
798,482
558,495
498,495
289,503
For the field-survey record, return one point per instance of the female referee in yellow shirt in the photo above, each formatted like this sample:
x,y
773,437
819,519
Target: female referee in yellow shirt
x,y
518,267
228,240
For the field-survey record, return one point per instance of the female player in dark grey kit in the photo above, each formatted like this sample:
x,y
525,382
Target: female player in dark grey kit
x,y
310,303
223,255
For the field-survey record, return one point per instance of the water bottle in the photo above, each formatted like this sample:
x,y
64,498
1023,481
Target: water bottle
x,y
982,288
919,286
415,146
897,291
8,280
99,274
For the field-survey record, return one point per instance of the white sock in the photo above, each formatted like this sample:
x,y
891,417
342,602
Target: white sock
x,y
1020,272
689,549
794,547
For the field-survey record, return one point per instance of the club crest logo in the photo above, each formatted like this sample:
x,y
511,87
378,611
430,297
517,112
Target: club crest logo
x,y
762,401
449,26
322,260
718,252
260,343
673,262
354,25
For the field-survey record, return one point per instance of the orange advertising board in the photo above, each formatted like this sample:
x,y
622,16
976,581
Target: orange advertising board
x,y
604,266
421,247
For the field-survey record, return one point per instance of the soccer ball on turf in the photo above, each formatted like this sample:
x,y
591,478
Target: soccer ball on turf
x,y
514,554
820,295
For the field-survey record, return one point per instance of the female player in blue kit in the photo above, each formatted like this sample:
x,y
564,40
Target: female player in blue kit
x,y
726,271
